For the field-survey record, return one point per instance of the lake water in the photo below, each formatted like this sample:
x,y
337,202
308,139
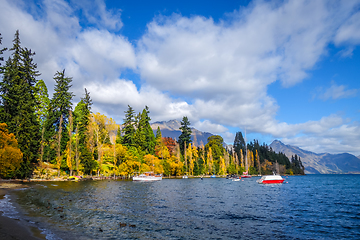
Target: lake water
x,y
305,207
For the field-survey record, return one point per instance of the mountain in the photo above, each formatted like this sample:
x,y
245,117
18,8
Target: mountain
x,y
323,163
171,129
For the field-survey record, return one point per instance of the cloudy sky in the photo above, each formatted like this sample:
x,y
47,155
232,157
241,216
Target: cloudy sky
x,y
287,70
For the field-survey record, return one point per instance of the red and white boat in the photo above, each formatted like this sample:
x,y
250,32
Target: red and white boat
x,y
246,175
148,177
270,179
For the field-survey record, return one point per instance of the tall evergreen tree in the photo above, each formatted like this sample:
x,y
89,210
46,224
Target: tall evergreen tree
x,y
129,129
42,111
144,136
239,143
81,116
158,134
60,105
185,136
18,103
43,102
149,133
139,136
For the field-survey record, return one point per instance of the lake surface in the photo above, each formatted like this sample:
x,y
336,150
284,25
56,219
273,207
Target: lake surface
x,y
305,207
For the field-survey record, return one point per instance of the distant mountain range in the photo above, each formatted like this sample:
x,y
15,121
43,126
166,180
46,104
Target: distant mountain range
x,y
323,163
314,163
171,129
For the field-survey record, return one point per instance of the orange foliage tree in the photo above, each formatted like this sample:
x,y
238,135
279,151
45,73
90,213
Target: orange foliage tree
x,y
10,154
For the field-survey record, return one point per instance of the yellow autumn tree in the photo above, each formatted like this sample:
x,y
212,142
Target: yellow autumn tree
x,y
204,159
195,156
190,160
222,167
10,154
153,164
101,127
69,160
227,159
258,161
210,161
161,150
241,158
175,166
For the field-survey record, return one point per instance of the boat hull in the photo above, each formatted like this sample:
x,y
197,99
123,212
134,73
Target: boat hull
x,y
245,176
147,178
271,179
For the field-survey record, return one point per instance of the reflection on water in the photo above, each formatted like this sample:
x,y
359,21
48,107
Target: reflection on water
x,y
307,207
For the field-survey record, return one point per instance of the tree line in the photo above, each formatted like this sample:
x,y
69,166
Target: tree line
x,y
38,133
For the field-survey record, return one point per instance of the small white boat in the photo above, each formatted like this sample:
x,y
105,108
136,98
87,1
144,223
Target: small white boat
x,y
148,177
185,176
236,179
270,179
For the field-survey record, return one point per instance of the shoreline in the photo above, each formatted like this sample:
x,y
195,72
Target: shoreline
x,y
16,229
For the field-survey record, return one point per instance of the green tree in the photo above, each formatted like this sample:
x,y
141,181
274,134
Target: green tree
x,y
60,105
18,103
139,136
43,102
185,136
81,121
216,144
239,144
150,141
158,134
129,129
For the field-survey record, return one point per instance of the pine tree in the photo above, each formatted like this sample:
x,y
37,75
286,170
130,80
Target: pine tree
x,y
139,136
185,137
18,103
43,102
81,116
239,144
149,134
158,134
129,129
60,105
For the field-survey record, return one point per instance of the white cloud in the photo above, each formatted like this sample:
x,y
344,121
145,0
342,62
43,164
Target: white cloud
x,y
337,92
206,125
97,14
216,73
349,31
339,139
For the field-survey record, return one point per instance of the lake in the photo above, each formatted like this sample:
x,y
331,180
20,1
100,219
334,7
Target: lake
x,y
304,207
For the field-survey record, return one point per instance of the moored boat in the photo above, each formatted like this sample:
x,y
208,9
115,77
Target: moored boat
x,y
74,178
246,175
148,176
270,179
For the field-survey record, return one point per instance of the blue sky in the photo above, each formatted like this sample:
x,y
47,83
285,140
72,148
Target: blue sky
x,y
286,70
